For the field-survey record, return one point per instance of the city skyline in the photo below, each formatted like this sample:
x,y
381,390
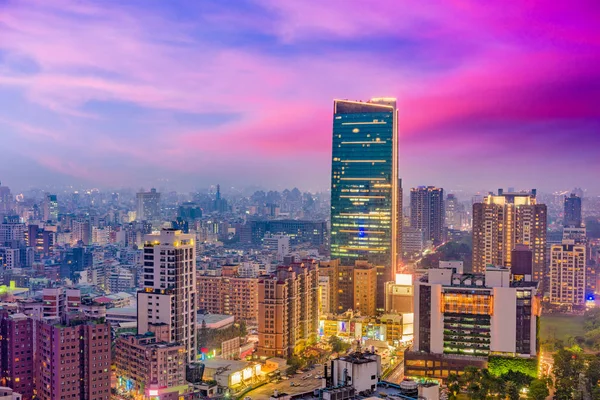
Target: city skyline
x,y
194,93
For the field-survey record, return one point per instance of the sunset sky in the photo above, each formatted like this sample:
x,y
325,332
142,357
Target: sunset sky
x,y
189,93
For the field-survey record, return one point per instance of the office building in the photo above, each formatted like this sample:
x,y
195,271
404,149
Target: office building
x,y
391,328
16,353
572,211
229,295
427,212
503,221
462,318
568,273
148,206
169,287
288,313
12,231
364,186
149,367
299,231
72,359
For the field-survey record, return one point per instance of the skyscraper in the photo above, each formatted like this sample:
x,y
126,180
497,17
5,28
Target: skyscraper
x,y
148,206
502,222
573,211
364,186
427,212
169,293
50,208
452,218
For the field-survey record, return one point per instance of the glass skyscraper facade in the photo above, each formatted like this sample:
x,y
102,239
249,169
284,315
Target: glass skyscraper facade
x,y
364,186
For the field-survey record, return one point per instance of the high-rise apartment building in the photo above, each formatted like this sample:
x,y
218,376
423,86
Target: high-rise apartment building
x,y
462,318
148,206
72,359
503,221
568,273
288,314
147,366
364,186
169,287
573,211
231,295
427,212
12,231
16,353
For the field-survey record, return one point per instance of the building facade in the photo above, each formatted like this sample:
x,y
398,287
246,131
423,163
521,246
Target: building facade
x,y
16,353
568,273
464,316
72,359
502,222
230,295
169,292
288,311
364,186
427,212
148,206
147,366
572,211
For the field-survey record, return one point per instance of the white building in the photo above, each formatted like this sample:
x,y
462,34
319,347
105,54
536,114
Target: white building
x,y
7,393
567,273
169,287
359,370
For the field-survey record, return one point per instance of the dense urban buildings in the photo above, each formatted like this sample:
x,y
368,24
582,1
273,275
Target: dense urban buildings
x,y
503,221
427,212
230,295
364,186
169,288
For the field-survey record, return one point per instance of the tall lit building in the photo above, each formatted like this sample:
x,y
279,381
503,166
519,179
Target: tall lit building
x,y
148,206
573,211
502,222
288,309
169,287
452,214
364,186
568,273
427,212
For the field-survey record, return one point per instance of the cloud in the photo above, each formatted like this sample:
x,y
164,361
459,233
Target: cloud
x,y
260,76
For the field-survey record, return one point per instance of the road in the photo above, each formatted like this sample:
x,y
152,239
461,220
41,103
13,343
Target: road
x,y
301,385
397,375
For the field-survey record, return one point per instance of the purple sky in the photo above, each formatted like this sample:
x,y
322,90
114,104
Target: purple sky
x,y
110,93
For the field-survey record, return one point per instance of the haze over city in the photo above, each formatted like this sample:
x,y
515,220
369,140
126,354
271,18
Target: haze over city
x,y
186,94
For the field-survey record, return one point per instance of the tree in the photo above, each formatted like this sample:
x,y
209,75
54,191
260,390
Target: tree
x,y
538,390
512,391
337,345
453,386
294,364
568,365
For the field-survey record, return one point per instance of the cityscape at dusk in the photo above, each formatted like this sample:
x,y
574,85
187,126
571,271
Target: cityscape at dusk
x,y
295,199
90,90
